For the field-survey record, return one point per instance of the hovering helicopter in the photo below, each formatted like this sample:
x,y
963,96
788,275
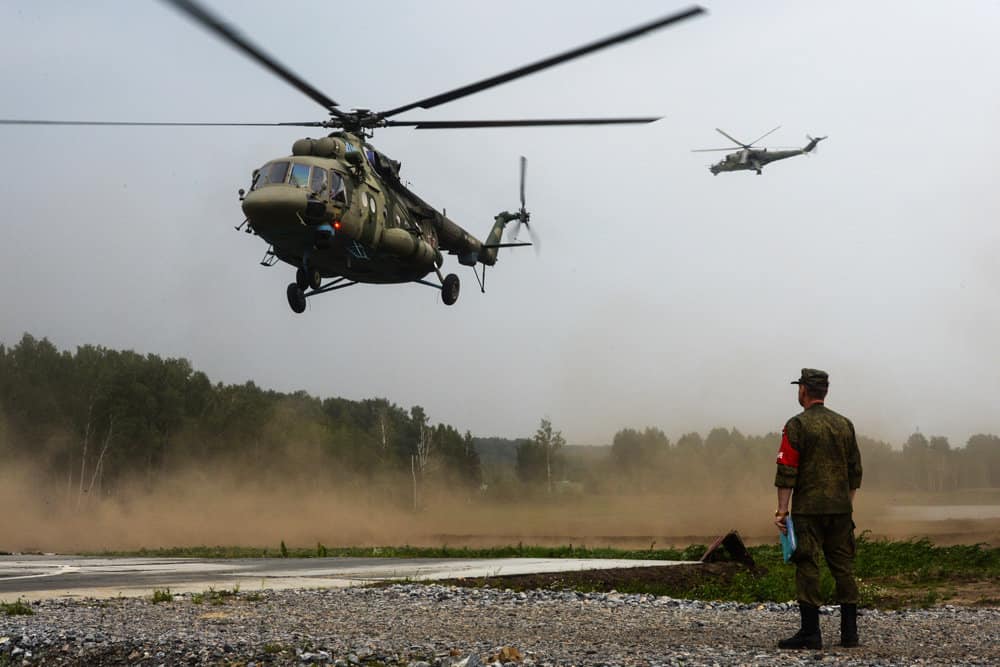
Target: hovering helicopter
x,y
750,158
336,209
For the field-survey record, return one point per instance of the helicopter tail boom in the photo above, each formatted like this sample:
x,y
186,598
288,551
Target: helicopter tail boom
x,y
488,252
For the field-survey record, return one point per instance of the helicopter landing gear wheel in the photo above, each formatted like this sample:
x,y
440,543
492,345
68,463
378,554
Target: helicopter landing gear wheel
x,y
301,278
450,288
315,278
296,298
308,278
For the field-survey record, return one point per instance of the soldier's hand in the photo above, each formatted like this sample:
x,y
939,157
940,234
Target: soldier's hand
x,y
780,523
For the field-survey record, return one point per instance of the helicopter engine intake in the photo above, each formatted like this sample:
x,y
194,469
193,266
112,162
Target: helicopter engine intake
x,y
329,147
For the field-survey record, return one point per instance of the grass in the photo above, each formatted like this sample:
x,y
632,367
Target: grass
x,y
923,561
162,595
215,597
17,608
890,573
406,551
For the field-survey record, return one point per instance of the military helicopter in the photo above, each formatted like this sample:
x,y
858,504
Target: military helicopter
x,y
750,158
336,209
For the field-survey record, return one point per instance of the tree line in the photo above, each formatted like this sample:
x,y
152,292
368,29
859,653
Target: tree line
x,y
96,420
646,460
728,458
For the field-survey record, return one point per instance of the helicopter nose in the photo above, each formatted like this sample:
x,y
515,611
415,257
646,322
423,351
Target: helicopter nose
x,y
275,207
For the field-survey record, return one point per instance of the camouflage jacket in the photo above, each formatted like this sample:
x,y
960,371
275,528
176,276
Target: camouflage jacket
x,y
819,458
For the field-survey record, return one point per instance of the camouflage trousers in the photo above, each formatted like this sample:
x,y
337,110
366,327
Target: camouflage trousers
x,y
831,535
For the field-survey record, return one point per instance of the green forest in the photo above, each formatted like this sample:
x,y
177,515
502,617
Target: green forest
x,y
97,420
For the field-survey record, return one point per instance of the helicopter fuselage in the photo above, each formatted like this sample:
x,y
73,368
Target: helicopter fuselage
x,y
336,206
751,160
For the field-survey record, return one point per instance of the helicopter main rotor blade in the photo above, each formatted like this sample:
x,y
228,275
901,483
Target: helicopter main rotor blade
x,y
6,121
710,150
764,135
735,141
204,17
453,124
478,86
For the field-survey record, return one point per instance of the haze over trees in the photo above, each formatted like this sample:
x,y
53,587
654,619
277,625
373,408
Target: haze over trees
x,y
101,421
97,419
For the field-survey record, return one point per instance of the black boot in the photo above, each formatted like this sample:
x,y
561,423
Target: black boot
x,y
849,625
808,635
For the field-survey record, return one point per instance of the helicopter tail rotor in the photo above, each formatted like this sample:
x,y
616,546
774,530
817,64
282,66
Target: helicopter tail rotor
x,y
488,253
524,168
522,213
523,216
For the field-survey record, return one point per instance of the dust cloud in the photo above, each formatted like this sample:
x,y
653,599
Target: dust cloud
x,y
219,507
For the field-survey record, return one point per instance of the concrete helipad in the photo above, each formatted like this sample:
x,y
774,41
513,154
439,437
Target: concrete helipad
x,y
35,577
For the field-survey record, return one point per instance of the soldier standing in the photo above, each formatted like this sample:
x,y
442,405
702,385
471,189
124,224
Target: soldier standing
x,y
819,470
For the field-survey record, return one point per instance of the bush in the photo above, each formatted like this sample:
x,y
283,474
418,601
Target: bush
x,y
18,608
162,595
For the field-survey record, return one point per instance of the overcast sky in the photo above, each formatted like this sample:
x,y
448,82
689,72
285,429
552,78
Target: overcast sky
x,y
662,295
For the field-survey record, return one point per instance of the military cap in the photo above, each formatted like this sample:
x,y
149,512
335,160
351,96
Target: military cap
x,y
813,378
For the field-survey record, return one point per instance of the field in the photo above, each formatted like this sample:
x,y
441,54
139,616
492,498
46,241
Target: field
x,y
891,574
910,551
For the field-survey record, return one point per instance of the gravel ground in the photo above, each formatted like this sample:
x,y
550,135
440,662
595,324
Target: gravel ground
x,y
438,626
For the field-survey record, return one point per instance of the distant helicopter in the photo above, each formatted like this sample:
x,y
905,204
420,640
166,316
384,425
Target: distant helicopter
x,y
754,159
336,209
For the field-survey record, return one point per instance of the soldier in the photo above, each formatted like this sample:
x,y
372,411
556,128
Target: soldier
x,y
819,470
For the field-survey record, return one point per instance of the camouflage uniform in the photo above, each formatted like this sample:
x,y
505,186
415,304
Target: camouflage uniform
x,y
819,459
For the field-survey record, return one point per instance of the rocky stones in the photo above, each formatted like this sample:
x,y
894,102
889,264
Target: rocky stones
x,y
472,660
317,657
415,625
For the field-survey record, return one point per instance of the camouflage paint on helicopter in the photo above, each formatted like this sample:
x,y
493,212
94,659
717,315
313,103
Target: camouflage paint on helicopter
x,y
335,208
754,159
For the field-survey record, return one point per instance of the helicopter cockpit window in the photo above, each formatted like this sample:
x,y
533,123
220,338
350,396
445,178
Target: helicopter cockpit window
x,y
271,173
337,190
300,175
318,181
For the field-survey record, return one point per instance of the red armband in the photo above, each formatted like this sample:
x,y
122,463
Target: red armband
x,y
787,455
